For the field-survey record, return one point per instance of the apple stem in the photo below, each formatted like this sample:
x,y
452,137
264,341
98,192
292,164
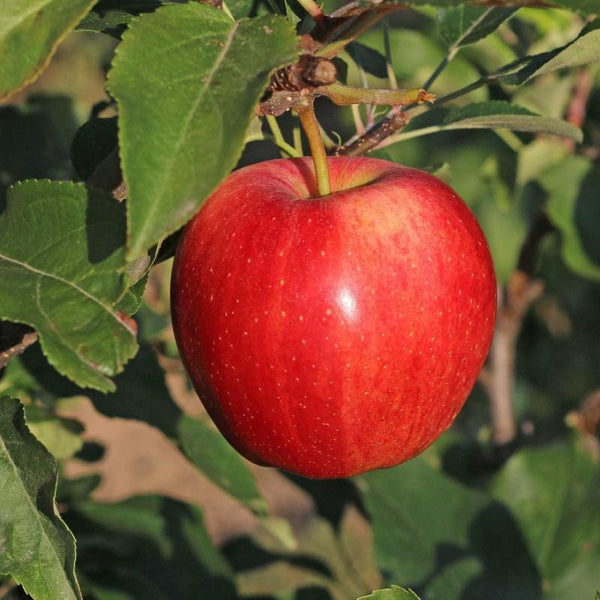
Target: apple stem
x,y
308,120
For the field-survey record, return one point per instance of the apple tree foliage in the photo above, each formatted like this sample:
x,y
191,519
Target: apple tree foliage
x,y
93,190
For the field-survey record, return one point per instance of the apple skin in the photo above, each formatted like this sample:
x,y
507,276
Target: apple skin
x,y
331,336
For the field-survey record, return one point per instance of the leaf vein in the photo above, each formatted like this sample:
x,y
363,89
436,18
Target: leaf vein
x,y
186,125
57,332
71,284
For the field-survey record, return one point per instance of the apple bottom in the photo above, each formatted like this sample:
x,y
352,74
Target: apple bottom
x,y
323,453
331,336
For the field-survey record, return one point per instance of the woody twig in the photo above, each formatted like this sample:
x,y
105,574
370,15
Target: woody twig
x,y
14,340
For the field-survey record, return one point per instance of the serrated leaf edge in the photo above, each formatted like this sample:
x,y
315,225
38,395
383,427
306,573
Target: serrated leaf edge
x,y
21,412
134,252
110,386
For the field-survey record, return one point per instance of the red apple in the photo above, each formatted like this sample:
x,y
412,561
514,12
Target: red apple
x,y
333,335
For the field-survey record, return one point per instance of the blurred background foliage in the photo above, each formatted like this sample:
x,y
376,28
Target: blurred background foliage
x,y
157,517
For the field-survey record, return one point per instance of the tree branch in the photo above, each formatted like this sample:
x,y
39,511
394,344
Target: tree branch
x,y
577,109
14,340
522,290
6,588
520,293
373,136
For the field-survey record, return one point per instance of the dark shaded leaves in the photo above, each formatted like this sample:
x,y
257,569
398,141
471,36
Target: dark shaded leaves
x,y
212,454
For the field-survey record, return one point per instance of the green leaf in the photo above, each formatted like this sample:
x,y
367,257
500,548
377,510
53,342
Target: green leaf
x,y
152,325
16,380
419,538
495,114
356,547
110,16
92,143
555,494
71,491
61,266
280,529
492,108
503,115
29,34
572,186
36,547
465,25
148,547
132,301
590,7
62,437
340,562
35,139
444,583
213,455
121,584
367,58
537,157
241,9
112,22
583,50
393,593
39,378
183,117
141,394
281,580
132,7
